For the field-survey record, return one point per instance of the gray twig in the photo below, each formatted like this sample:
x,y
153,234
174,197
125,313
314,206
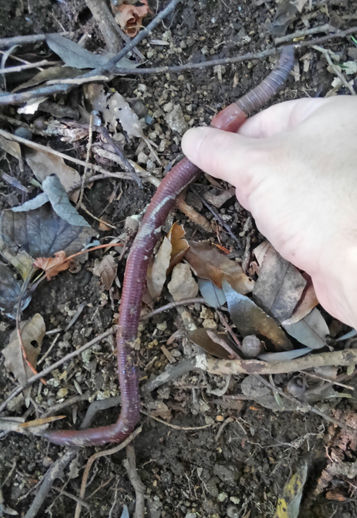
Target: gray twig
x,y
130,466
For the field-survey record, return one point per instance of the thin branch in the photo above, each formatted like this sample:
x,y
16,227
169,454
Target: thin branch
x,y
46,149
86,167
60,362
171,305
22,40
96,456
306,32
136,482
109,67
20,68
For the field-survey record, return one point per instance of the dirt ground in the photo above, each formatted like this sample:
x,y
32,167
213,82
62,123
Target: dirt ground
x,y
238,464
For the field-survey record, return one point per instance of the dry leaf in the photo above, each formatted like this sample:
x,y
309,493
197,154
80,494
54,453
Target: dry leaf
x,y
212,343
44,164
209,263
251,320
32,330
13,148
306,304
157,270
179,245
53,265
289,501
129,17
311,331
217,200
107,271
182,284
279,286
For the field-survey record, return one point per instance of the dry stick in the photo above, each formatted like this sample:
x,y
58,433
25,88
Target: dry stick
x,y
175,426
313,409
171,305
192,214
305,32
109,67
105,20
65,493
96,456
60,362
54,472
139,488
46,149
20,68
335,68
85,173
22,40
60,406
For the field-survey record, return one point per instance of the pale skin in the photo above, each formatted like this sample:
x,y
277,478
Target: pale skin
x,y
294,167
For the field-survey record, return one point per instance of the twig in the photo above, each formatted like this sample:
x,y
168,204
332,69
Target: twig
x,y
335,68
299,404
216,215
28,66
171,305
105,20
46,149
60,362
305,32
224,367
60,406
97,456
192,214
74,497
139,488
333,382
54,472
229,329
125,162
109,67
22,40
97,406
171,373
175,426
89,147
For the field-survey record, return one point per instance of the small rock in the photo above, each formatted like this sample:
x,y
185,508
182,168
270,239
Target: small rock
x,y
142,87
181,78
222,497
176,120
183,45
232,511
352,52
62,393
209,323
142,158
168,107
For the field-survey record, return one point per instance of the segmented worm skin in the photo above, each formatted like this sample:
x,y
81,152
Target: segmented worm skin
x,y
180,176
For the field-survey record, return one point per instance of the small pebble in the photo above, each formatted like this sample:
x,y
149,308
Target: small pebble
x,y
222,497
23,133
168,107
219,418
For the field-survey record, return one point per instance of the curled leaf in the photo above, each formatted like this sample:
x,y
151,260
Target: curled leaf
x,y
107,271
311,331
53,265
157,270
289,501
251,320
209,263
130,17
179,244
212,343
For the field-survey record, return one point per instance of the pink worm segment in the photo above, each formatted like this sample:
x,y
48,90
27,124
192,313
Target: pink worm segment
x,y
180,176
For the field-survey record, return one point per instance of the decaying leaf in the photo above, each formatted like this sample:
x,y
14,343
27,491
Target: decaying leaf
x,y
217,200
57,196
107,271
306,304
44,164
32,330
157,270
50,74
209,263
310,331
214,296
31,106
53,265
159,409
130,17
289,502
179,245
73,54
211,342
13,148
279,286
251,320
182,284
10,290
287,11
38,233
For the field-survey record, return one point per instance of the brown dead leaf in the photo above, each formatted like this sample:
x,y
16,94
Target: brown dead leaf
x,y
279,286
335,495
13,148
32,330
182,284
44,164
159,409
217,200
305,305
53,265
209,263
157,270
214,343
179,245
107,271
130,17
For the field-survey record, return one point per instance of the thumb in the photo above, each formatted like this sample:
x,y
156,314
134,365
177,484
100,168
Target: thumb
x,y
229,156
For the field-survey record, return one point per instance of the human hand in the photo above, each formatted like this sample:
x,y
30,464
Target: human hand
x,y
294,167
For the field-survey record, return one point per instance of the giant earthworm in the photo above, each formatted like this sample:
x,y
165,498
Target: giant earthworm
x,y
180,176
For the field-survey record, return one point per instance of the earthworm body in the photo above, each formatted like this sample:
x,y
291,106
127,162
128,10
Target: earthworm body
x,y
180,176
